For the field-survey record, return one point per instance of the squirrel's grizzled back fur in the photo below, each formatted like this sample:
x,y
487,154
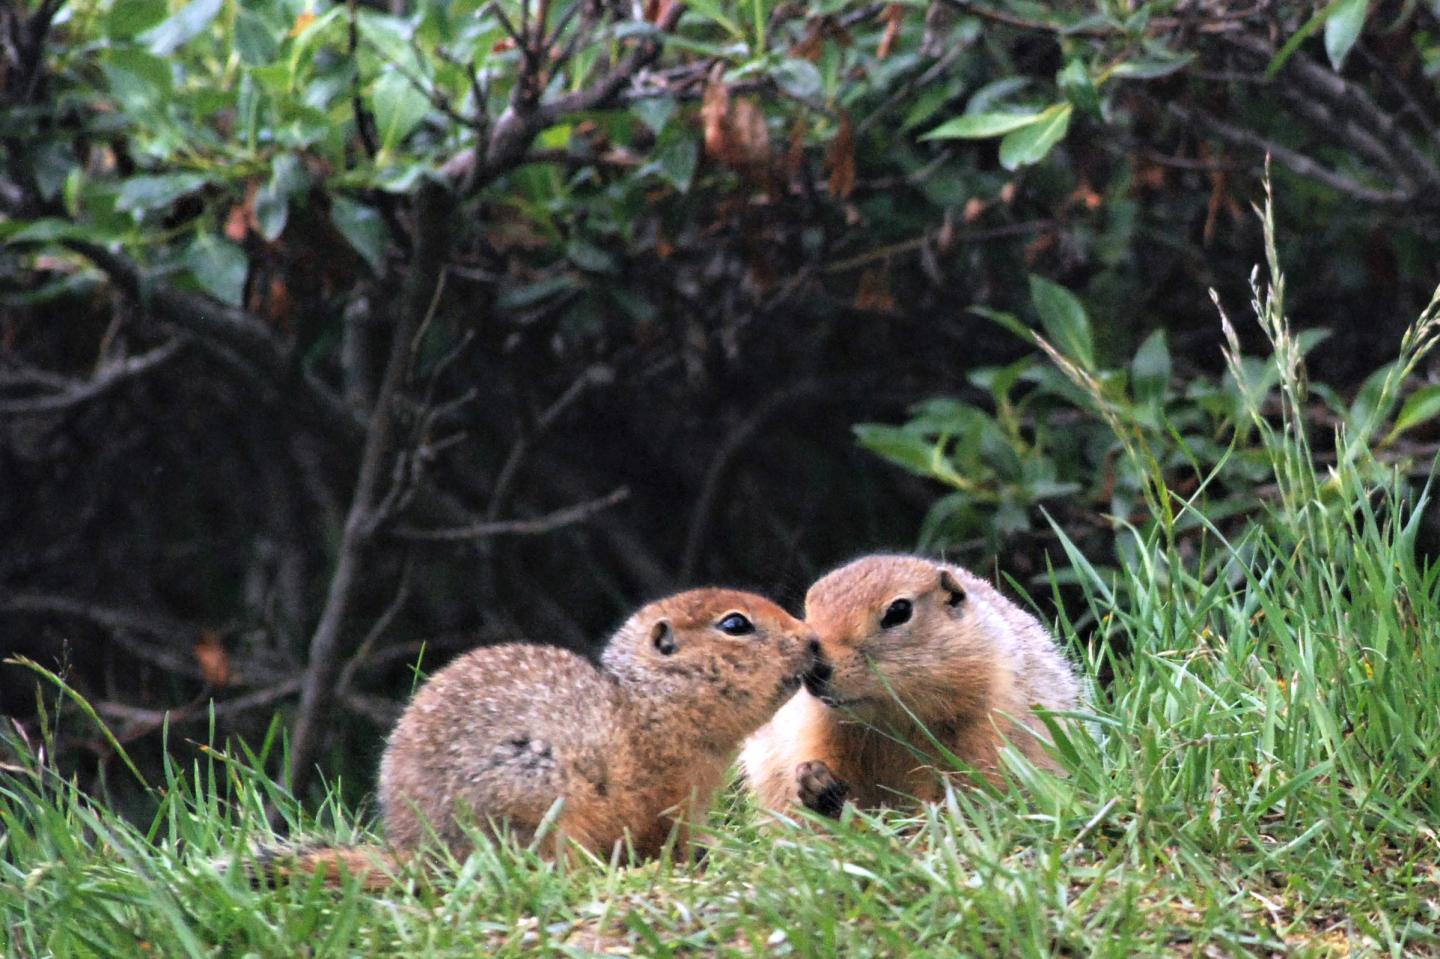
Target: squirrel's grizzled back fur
x,y
516,739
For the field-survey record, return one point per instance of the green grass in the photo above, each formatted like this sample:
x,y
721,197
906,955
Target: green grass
x,y
1264,780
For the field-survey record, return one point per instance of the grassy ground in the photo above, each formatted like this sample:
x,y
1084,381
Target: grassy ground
x,y
1264,781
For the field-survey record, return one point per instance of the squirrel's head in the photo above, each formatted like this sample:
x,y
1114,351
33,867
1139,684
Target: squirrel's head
x,y
897,630
728,658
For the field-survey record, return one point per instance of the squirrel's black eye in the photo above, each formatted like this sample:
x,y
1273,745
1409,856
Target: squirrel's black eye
x,y
896,613
736,625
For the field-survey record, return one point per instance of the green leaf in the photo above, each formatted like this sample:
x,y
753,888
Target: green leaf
x,y
897,445
362,228
590,257
189,23
1345,20
255,40
713,11
1366,404
47,230
142,194
990,97
1420,407
393,38
398,108
219,266
928,103
676,156
272,211
1064,320
1150,369
1150,68
532,293
1277,62
798,78
980,126
654,112
1030,144
1009,321
1074,81
637,307
141,83
129,17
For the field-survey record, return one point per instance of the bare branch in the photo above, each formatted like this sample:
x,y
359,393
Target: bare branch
x,y
1297,162
110,376
725,454
593,376
367,645
109,617
422,295
257,699
1353,104
510,138
232,334
548,523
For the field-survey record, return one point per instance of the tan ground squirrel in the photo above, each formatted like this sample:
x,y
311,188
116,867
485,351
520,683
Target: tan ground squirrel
x,y
961,658
630,749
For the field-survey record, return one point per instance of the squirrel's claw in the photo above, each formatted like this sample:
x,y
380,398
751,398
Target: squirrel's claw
x,y
820,791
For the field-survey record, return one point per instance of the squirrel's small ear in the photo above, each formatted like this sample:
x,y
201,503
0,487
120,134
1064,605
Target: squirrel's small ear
x,y
660,636
951,585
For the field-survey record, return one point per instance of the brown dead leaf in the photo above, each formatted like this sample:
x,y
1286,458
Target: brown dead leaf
x,y
734,130
1085,195
809,46
795,152
945,238
873,292
715,113
1148,175
1039,245
840,159
236,226
241,219
301,22
817,31
893,15
214,662
279,305
749,137
657,10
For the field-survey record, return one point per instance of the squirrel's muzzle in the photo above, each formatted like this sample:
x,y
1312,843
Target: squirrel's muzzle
x,y
817,677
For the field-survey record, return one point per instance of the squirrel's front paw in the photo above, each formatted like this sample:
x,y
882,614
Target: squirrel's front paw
x,y
820,791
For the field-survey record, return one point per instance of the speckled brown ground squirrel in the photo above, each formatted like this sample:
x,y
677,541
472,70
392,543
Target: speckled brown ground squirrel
x,y
630,750
962,659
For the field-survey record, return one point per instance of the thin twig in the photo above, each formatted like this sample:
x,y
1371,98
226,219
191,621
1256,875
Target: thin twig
x,y
1294,160
733,443
914,243
367,645
548,523
194,710
520,450
422,297
110,376
240,339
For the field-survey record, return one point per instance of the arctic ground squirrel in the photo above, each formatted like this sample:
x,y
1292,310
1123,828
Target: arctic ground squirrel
x,y
909,642
507,739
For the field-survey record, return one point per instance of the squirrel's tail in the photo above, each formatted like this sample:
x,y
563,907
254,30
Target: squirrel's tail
x,y
372,867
